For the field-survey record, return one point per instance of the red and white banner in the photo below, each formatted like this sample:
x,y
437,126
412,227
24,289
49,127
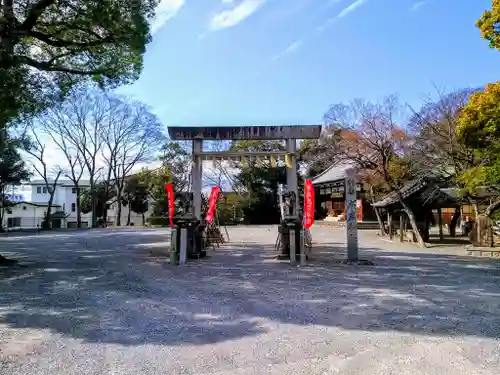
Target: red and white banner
x,y
171,202
212,203
308,204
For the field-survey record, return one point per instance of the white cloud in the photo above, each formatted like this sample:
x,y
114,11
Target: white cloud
x,y
350,8
294,46
291,48
165,10
344,12
417,5
325,24
300,42
236,14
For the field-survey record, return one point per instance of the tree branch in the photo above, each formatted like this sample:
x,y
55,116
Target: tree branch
x,y
35,10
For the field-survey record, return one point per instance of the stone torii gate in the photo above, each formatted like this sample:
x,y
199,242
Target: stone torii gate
x,y
290,133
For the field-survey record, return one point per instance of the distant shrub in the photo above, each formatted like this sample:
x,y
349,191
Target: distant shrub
x,y
159,221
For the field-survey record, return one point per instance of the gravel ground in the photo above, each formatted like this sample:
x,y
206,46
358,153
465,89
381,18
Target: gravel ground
x,y
106,302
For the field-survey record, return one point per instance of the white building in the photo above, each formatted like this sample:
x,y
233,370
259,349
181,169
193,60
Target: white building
x,y
24,215
30,214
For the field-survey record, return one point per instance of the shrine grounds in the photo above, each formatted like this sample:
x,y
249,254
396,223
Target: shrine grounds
x,y
106,301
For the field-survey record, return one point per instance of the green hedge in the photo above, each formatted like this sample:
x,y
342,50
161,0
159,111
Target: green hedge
x,y
159,220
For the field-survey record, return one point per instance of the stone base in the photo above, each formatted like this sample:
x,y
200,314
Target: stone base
x,y
287,257
203,254
359,262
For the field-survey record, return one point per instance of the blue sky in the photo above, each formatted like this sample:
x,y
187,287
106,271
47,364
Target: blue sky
x,y
223,62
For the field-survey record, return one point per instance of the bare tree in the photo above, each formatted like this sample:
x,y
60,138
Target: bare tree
x,y
436,148
368,135
36,148
216,173
56,125
77,124
132,136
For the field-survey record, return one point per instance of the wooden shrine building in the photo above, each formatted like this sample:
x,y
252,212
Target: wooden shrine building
x,y
330,193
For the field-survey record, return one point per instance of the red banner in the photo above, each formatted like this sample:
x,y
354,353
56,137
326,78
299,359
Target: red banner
x,y
212,202
359,210
308,204
171,201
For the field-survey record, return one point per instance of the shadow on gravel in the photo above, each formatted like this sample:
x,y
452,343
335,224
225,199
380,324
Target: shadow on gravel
x,y
100,291
94,289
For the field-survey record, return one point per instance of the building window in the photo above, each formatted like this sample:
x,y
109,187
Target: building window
x,y
73,207
39,190
13,222
44,190
9,211
50,189
73,190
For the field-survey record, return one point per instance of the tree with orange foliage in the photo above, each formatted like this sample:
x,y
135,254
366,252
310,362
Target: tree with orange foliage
x,y
369,136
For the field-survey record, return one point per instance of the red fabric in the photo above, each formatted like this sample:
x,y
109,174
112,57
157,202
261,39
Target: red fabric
x,y
170,196
214,194
308,204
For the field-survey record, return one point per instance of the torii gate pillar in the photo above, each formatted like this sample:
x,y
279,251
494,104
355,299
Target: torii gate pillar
x,y
196,177
291,174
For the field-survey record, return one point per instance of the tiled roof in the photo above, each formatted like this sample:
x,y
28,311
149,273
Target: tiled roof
x,y
409,188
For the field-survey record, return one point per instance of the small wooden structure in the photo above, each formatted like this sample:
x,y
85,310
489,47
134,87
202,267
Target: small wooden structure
x,y
422,196
213,234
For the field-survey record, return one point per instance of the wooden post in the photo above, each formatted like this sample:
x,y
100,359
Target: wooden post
x,y
401,226
440,223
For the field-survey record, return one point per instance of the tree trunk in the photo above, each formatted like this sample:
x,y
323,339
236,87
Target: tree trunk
x,y
482,233
143,219
128,215
492,208
401,226
78,209
427,225
47,223
94,199
389,224
377,214
2,209
440,223
380,222
118,218
454,222
413,221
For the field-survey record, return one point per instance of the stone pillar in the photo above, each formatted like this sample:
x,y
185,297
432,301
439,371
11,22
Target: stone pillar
x,y
350,215
291,173
196,176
